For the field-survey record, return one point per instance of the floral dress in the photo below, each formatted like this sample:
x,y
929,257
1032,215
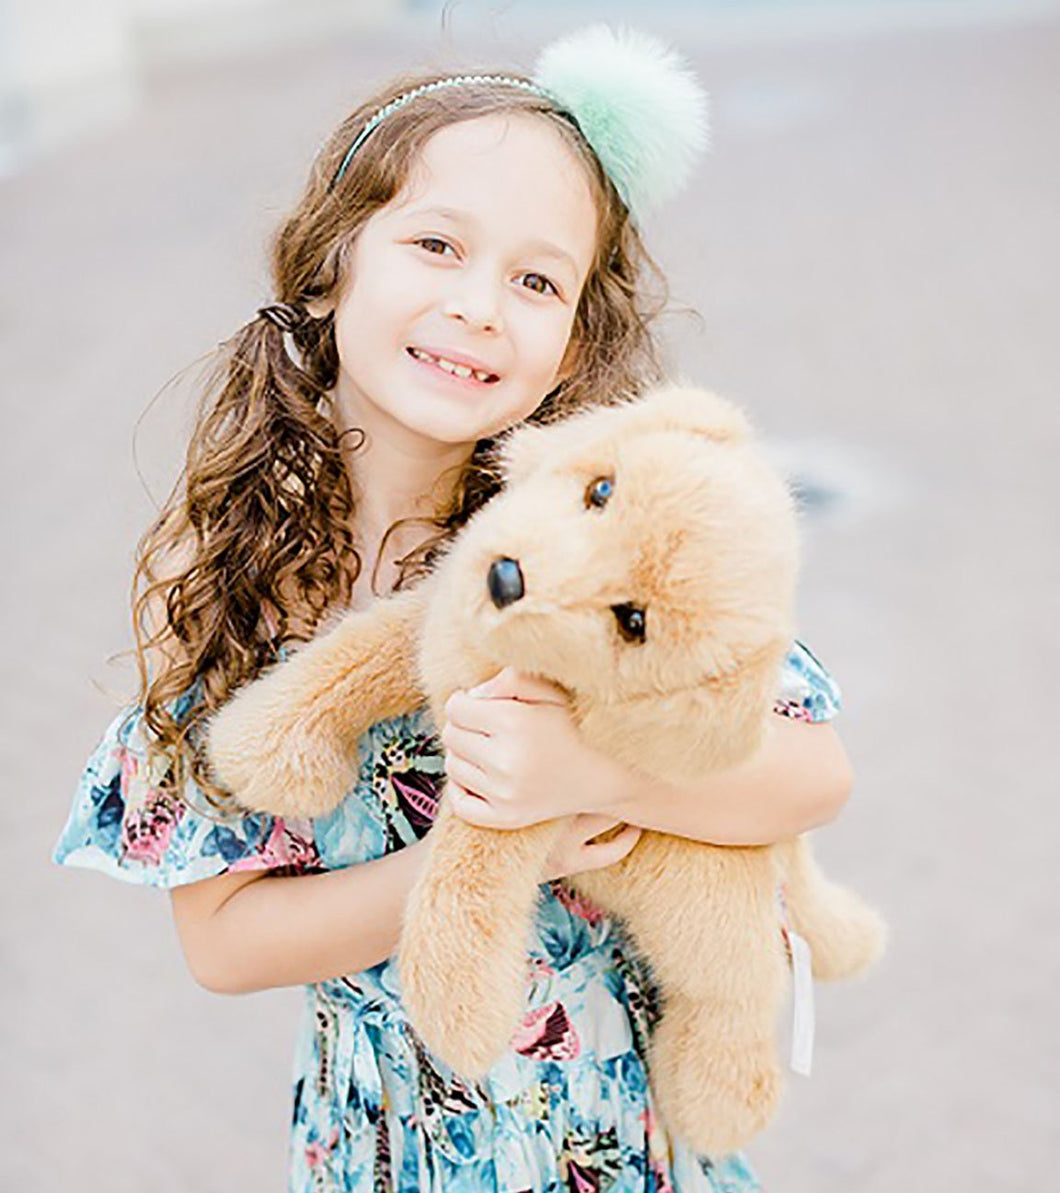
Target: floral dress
x,y
567,1108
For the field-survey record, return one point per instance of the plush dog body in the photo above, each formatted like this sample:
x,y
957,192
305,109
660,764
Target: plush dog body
x,y
644,558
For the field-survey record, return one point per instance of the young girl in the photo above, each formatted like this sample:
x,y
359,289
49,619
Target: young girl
x,y
464,257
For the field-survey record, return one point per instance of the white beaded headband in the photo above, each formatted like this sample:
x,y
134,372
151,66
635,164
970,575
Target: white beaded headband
x,y
635,102
408,96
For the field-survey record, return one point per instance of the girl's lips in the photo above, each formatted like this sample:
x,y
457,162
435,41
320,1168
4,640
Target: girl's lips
x,y
459,368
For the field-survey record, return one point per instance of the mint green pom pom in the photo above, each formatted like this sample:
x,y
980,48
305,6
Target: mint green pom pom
x,y
639,105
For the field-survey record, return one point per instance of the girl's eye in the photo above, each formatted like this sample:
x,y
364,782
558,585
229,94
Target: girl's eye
x,y
434,244
538,283
632,622
598,494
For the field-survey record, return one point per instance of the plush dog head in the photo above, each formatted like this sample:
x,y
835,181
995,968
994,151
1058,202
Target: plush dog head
x,y
642,556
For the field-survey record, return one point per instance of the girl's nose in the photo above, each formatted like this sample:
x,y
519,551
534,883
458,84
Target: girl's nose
x,y
476,302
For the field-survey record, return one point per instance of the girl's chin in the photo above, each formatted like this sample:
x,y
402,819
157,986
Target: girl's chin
x,y
449,432
456,422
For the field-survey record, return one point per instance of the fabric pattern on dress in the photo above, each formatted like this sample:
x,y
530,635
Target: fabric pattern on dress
x,y
567,1109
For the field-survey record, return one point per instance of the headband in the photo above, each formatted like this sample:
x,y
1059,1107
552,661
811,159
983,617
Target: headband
x,y
637,104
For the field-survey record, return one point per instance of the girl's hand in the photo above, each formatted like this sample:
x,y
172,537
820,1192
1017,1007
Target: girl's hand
x,y
575,851
514,756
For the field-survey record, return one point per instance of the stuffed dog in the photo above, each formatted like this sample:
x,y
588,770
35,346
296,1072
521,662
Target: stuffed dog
x,y
643,557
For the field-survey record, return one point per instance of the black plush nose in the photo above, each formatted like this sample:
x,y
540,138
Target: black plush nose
x,y
505,582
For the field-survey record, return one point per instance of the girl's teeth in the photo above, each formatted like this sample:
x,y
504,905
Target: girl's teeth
x,y
462,371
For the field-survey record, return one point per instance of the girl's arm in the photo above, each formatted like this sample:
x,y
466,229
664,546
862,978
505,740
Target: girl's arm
x,y
255,931
799,779
517,758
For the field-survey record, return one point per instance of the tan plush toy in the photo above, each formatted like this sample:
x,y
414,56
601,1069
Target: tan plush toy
x,y
643,557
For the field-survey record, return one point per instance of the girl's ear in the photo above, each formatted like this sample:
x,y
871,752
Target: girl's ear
x,y
333,274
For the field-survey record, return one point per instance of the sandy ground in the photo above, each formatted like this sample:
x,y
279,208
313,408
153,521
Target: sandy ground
x,y
873,249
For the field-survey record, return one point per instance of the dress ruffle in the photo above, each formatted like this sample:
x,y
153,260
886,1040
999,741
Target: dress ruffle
x,y
807,691
124,824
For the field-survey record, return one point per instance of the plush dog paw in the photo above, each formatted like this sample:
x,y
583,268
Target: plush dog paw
x,y
272,762
462,957
847,941
463,1013
713,1093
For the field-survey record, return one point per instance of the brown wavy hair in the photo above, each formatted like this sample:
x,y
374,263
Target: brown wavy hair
x,y
253,547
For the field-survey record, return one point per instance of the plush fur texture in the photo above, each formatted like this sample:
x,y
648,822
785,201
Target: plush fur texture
x,y
701,535
639,106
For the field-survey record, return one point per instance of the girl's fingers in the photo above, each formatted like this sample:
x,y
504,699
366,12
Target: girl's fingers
x,y
477,715
496,709
510,684
469,806
605,853
472,778
576,852
476,748
591,824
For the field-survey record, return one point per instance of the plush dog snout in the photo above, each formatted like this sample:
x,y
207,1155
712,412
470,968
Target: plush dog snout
x,y
505,582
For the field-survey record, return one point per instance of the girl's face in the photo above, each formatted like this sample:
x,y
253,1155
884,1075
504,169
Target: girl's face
x,y
455,316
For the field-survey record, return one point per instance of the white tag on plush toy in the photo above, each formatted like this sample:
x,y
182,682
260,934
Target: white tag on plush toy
x,y
802,1001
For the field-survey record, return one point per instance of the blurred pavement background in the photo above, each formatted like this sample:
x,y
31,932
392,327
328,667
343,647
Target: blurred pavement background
x,y
874,253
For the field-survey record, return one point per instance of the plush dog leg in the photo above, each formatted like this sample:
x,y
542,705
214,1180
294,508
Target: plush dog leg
x,y
844,934
715,1088
462,957
287,743
710,930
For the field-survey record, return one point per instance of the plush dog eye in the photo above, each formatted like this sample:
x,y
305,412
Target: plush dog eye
x,y
599,492
632,622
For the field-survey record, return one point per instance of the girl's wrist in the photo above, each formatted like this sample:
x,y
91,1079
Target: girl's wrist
x,y
627,792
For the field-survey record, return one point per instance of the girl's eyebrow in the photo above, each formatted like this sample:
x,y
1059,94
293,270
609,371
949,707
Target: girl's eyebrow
x,y
541,248
545,248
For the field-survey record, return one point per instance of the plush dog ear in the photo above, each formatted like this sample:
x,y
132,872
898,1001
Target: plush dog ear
x,y
675,407
524,450
683,407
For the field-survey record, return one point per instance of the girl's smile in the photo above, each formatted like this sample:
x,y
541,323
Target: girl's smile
x,y
458,366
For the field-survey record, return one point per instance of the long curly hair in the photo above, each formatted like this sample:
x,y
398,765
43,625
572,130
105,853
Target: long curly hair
x,y
253,547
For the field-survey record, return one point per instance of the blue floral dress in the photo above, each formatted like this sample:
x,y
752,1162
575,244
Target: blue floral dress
x,y
568,1108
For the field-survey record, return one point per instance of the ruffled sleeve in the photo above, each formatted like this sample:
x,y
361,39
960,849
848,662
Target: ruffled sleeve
x,y
124,824
807,691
